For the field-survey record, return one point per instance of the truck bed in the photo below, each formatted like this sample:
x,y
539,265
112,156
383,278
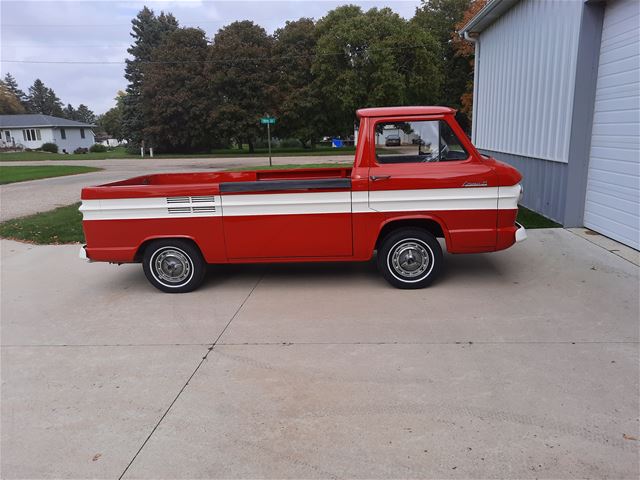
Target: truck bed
x,y
162,184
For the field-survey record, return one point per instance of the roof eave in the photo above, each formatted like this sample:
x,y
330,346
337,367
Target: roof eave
x,y
493,10
49,126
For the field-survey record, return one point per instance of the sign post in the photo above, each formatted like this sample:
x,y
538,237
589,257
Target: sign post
x,y
268,121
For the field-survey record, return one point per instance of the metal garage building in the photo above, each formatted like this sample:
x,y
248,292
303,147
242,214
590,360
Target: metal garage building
x,y
557,94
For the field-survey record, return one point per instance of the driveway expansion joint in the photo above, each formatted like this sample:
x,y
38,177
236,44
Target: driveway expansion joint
x,y
204,358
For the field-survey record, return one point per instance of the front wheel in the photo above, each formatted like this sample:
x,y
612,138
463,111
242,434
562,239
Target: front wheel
x,y
410,258
174,266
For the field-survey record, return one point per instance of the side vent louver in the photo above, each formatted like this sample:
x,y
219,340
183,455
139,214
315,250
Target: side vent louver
x,y
204,205
177,199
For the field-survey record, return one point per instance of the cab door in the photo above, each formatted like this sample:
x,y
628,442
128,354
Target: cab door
x,y
431,174
289,218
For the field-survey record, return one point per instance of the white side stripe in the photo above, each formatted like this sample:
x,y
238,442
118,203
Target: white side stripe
x,y
442,199
286,203
480,198
156,207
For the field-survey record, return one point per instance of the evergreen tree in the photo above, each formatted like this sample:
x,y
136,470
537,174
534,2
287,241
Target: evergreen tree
x,y
69,112
148,31
12,86
42,99
83,114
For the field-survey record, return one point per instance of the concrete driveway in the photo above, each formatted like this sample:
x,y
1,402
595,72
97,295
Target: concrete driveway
x,y
518,364
26,198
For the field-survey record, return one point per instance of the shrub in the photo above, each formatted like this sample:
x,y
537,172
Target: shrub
x,y
81,150
290,143
98,147
49,147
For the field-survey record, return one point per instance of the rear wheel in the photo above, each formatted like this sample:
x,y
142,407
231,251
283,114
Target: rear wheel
x,y
174,266
410,258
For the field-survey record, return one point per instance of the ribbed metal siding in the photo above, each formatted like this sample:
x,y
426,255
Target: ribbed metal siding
x,y
544,182
525,74
613,186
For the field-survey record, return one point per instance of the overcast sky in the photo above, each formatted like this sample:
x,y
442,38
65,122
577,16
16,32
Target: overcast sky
x,y
98,31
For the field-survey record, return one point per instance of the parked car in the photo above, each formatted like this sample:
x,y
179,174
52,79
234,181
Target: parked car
x,y
397,204
392,140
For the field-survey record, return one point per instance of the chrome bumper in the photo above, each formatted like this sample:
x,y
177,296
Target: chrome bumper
x,y
521,233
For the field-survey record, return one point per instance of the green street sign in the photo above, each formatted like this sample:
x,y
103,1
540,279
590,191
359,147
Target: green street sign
x,y
268,120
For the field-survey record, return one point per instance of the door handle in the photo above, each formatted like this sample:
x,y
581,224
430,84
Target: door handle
x,y
375,178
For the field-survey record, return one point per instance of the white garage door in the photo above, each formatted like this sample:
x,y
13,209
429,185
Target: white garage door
x,y
613,188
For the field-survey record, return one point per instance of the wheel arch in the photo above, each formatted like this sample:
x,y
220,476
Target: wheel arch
x,y
432,224
147,241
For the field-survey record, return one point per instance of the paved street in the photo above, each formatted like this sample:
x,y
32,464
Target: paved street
x,y
517,364
25,198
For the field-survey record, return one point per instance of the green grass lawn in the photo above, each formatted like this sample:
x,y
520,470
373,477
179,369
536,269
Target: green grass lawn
x,y
120,152
530,219
62,225
12,174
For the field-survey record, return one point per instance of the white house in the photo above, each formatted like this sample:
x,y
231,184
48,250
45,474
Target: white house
x,y
32,130
556,94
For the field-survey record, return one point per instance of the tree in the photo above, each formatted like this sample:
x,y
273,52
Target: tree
x,y
300,112
176,94
439,17
111,121
372,59
42,99
241,81
148,31
12,86
83,114
466,50
69,112
9,102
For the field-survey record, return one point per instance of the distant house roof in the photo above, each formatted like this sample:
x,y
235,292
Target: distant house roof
x,y
38,120
486,16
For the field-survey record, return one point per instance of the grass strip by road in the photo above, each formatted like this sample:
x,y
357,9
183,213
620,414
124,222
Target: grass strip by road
x,y
62,225
530,219
121,152
12,174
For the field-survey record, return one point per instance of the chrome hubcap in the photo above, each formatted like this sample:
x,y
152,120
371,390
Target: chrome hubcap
x,y
410,259
172,266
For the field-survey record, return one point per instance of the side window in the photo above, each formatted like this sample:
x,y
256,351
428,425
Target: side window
x,y
82,133
417,142
63,134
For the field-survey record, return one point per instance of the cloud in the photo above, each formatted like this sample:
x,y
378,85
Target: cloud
x,y
99,31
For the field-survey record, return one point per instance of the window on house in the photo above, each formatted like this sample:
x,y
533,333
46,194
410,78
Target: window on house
x,y
38,136
82,133
63,134
417,142
27,135
7,135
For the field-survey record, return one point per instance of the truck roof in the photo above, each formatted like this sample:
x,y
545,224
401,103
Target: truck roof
x,y
400,111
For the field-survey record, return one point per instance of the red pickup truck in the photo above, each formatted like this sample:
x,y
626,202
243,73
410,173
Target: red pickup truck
x,y
397,199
